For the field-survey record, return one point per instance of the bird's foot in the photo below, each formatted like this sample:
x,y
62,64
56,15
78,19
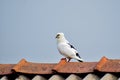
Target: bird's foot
x,y
69,59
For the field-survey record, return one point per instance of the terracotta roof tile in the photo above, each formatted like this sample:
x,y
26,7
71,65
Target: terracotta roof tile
x,y
108,65
33,68
6,69
74,67
104,65
60,64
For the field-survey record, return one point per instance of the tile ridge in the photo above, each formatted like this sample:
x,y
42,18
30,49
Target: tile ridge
x,y
18,66
60,65
101,63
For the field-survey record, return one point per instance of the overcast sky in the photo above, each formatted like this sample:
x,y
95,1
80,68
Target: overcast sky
x,y
28,29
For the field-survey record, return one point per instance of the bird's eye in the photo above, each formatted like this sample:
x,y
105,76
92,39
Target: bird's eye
x,y
58,36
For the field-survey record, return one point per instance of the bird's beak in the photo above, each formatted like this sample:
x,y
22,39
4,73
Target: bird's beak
x,y
56,36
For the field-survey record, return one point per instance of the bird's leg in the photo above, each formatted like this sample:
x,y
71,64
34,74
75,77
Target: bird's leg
x,y
69,59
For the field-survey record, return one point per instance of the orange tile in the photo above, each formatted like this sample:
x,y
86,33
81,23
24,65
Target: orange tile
x,y
74,67
6,69
33,68
108,65
104,65
101,63
78,67
60,64
18,66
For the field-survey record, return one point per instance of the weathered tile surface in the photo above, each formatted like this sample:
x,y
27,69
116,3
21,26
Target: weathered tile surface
x,y
4,78
91,77
6,69
33,68
75,67
38,77
22,77
109,76
63,70
56,77
108,65
73,77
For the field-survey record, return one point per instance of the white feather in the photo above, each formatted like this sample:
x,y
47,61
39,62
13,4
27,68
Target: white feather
x,y
65,49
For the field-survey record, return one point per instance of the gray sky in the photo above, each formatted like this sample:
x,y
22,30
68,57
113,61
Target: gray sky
x,y
28,29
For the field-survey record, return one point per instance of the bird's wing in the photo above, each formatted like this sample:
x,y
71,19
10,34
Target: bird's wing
x,y
78,55
71,46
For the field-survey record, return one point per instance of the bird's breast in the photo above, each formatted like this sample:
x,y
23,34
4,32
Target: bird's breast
x,y
61,48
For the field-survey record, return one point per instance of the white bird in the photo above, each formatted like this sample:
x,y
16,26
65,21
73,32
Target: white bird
x,y
66,49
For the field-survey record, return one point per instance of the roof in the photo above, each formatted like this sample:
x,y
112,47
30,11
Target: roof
x,y
64,69
74,67
33,68
6,69
108,65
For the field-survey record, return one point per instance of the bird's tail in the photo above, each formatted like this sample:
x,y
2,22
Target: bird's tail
x,y
80,60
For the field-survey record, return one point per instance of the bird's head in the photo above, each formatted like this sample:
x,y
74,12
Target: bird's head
x,y
59,35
